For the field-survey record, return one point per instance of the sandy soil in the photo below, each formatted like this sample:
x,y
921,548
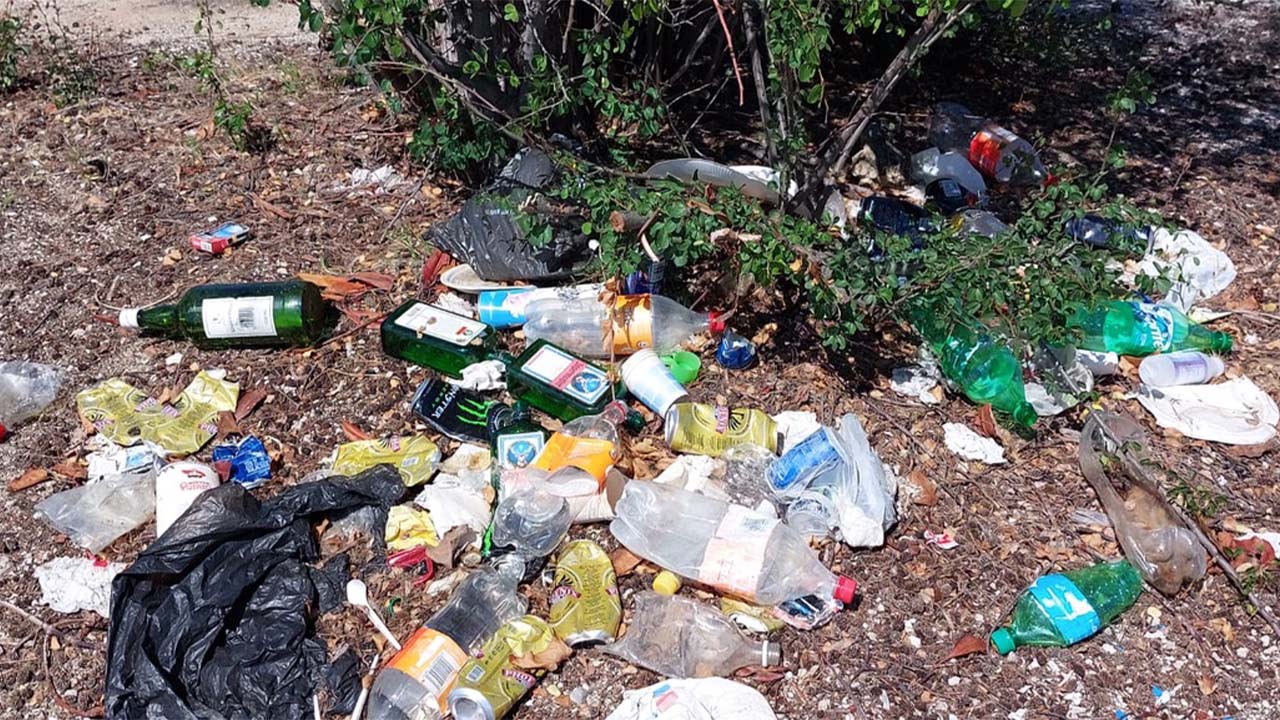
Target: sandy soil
x,y
146,22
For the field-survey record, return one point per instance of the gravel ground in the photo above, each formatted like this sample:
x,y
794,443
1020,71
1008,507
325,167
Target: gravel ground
x,y
77,241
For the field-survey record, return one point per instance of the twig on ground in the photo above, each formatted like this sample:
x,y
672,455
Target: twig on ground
x,y
733,55
49,629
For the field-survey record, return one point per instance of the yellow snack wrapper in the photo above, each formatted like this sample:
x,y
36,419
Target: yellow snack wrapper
x,y
409,527
125,415
415,457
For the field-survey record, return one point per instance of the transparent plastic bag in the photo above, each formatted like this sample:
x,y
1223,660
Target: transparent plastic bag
x,y
1165,552
94,515
26,389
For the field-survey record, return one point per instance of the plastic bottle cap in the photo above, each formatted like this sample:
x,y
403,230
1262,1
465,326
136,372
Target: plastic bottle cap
x,y
129,318
770,654
666,583
715,323
1003,640
684,366
846,588
4,432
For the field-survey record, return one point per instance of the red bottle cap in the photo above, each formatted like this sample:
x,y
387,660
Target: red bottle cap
x,y
4,432
846,588
715,323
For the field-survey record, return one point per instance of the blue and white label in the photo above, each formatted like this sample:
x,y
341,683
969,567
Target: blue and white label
x,y
809,458
517,450
1066,607
504,308
1158,320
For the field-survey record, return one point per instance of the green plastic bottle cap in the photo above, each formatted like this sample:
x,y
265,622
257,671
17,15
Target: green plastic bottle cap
x,y
684,366
1003,640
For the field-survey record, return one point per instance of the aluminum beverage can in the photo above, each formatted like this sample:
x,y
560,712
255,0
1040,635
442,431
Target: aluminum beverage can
x,y
490,683
711,430
585,607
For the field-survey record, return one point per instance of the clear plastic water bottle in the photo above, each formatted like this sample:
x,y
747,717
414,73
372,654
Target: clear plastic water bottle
x,y
416,682
932,164
26,389
1181,368
728,547
678,637
594,329
998,152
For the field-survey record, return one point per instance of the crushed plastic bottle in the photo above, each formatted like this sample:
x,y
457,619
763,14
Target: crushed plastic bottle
x,y
26,389
589,443
595,329
1099,232
1163,550
978,222
931,164
415,685
895,217
1136,328
999,153
678,637
1064,608
722,545
531,523
986,370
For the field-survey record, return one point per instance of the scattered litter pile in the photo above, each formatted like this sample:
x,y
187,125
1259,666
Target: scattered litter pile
x,y
530,430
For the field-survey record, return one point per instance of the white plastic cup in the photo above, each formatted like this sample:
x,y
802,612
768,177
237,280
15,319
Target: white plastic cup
x,y
1180,368
177,486
648,379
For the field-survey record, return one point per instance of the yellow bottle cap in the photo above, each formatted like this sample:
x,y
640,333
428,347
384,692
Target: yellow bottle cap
x,y
666,583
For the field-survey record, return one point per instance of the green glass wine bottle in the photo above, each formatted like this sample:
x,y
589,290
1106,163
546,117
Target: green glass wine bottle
x,y
1064,608
433,337
1135,328
987,371
559,383
290,313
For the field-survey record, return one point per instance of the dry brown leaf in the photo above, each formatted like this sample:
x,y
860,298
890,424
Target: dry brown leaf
x,y
71,469
548,659
249,401
967,645
928,488
1206,684
381,281
30,478
624,561
986,422
1222,625
353,432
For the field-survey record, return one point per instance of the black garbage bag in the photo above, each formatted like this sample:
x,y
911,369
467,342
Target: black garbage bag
x,y
485,235
216,619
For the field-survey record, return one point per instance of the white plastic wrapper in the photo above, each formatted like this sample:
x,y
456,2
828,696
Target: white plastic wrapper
x,y
963,441
702,699
1236,412
69,585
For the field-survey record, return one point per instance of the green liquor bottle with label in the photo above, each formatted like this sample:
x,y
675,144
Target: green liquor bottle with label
x,y
559,383
514,437
240,315
436,338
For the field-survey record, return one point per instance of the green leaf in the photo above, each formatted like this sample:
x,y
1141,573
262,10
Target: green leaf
x,y
510,13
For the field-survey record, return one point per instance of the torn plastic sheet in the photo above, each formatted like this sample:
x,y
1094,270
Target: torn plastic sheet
x,y
69,585
216,619
966,443
700,699
1236,412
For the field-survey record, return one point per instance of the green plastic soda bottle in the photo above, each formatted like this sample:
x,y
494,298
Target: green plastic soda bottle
x,y
987,371
1136,328
1064,608
239,315
433,337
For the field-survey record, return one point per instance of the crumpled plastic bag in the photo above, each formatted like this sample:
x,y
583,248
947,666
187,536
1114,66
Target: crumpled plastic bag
x,y
1165,552
865,495
485,233
408,528
1235,412
96,514
482,376
697,699
69,585
1063,380
1203,271
216,619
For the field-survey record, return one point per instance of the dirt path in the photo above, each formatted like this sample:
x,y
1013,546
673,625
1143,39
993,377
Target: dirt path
x,y
97,199
148,22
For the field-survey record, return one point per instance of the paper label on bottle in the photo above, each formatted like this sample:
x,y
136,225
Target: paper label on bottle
x,y
441,324
735,554
1066,607
984,149
572,376
518,450
632,323
434,660
239,317
1158,320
